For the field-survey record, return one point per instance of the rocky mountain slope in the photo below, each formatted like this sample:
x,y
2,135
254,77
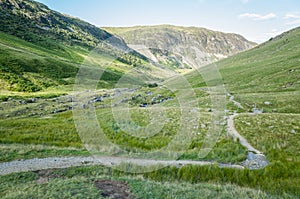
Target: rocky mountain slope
x,y
167,44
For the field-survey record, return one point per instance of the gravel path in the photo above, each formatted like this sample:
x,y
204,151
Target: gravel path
x,y
65,162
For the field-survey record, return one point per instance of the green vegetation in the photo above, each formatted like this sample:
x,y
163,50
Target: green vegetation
x,y
79,182
270,67
35,22
42,50
58,130
11,152
279,178
279,134
39,60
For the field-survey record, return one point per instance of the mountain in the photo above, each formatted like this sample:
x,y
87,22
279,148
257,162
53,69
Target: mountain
x,y
165,43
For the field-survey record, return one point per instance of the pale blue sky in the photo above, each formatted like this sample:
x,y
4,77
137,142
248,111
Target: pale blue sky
x,y
257,20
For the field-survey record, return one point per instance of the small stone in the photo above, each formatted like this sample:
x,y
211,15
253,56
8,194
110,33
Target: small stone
x,y
267,103
251,156
293,131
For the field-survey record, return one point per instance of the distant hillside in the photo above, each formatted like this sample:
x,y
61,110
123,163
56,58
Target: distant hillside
x,y
163,40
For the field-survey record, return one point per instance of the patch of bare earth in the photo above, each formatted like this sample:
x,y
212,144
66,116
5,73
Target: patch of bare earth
x,y
113,189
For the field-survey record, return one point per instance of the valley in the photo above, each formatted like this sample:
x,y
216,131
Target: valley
x,y
163,111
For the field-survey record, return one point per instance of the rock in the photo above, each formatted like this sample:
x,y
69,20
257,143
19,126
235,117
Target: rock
x,y
144,105
250,156
257,111
22,102
267,103
293,131
149,93
59,111
98,99
255,161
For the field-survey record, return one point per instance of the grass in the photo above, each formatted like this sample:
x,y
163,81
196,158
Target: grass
x,y
59,130
280,178
267,73
10,152
276,135
26,67
77,182
279,102
56,131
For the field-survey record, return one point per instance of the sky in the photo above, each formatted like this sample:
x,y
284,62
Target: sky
x,y
256,20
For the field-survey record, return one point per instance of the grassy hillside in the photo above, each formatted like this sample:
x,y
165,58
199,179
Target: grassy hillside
x,y
36,23
266,76
42,50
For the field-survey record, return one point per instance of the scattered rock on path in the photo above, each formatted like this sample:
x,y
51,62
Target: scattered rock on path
x,y
255,161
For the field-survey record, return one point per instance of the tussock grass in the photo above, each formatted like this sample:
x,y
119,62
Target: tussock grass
x,y
77,182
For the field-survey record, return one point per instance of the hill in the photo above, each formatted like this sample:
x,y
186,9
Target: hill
x,y
163,42
42,49
265,77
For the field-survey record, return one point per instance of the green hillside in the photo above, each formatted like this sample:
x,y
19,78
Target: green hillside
x,y
42,50
266,73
